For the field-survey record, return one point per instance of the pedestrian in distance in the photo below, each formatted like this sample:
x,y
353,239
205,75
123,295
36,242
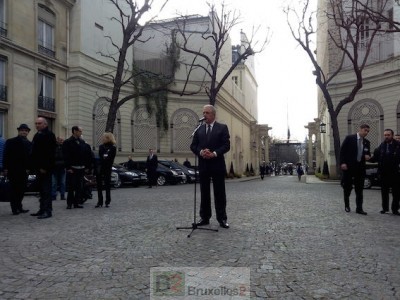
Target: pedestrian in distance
x,y
43,160
354,152
58,179
187,163
78,161
16,167
130,165
107,152
151,168
263,169
387,155
299,170
210,142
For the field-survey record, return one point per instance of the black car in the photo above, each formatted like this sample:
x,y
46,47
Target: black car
x,y
189,173
129,177
164,174
371,176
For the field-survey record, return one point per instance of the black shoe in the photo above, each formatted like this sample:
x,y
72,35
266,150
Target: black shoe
x,y
15,213
23,211
107,205
99,205
347,209
361,212
223,224
203,222
44,216
78,206
39,213
383,212
396,213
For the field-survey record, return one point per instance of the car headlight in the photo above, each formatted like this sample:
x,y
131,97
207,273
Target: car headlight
x,y
191,172
174,172
132,174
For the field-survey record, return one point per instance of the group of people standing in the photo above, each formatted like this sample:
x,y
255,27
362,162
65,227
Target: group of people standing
x,y
354,153
57,164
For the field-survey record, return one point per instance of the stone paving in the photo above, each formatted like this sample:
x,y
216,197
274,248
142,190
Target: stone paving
x,y
295,237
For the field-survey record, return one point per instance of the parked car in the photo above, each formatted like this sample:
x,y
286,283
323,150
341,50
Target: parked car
x,y
32,186
371,176
170,164
132,177
188,173
164,174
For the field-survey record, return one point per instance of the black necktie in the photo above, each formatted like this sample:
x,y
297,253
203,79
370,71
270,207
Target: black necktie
x,y
208,133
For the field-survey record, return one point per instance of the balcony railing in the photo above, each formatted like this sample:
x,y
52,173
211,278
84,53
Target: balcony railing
x,y
47,103
46,51
3,29
3,93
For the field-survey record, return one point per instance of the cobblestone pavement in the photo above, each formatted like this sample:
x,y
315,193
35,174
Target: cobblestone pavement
x,y
295,237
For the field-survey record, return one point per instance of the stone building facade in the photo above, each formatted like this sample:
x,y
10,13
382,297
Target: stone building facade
x,y
376,104
52,64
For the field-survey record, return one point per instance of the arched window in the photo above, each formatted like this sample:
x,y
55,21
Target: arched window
x,y
367,112
100,114
144,130
183,122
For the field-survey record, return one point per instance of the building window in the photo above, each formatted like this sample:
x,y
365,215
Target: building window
x,y
3,25
46,99
364,33
46,39
46,25
3,87
235,79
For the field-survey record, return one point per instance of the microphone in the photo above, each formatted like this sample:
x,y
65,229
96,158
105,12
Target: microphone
x,y
202,119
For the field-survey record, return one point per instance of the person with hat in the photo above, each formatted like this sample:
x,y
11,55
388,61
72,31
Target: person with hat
x,y
16,166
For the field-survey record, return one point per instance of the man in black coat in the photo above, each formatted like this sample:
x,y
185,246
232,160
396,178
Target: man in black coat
x,y
388,157
16,166
355,150
43,161
151,168
210,142
78,160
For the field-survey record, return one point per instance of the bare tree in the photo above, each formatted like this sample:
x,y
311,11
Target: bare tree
x,y
210,59
351,31
127,74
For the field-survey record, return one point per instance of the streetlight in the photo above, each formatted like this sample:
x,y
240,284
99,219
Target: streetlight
x,y
322,128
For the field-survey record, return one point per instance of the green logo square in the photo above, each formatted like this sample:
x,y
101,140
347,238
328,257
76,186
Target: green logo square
x,y
169,283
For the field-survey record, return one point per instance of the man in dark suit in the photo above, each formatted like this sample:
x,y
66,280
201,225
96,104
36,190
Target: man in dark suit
x,y
151,168
43,161
387,155
210,143
16,165
355,150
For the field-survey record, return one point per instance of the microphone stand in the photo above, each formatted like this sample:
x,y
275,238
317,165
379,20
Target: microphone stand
x,y
194,224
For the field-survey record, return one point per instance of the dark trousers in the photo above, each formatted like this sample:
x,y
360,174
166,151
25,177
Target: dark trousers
x,y
45,192
104,175
390,182
218,180
152,177
17,190
75,187
354,175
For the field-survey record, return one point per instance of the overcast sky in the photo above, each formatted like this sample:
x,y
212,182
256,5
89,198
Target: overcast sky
x,y
286,87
